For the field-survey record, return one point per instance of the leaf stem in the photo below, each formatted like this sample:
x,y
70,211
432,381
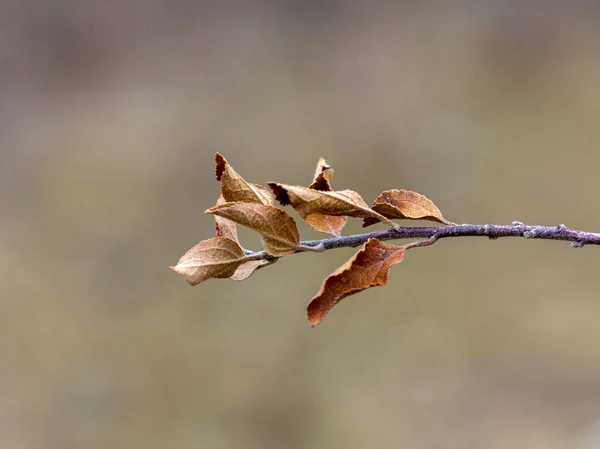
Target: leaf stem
x,y
434,233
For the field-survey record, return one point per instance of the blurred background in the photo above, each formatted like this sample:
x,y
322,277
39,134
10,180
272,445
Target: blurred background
x,y
110,115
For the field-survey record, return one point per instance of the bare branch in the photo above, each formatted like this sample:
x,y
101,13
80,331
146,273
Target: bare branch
x,y
432,234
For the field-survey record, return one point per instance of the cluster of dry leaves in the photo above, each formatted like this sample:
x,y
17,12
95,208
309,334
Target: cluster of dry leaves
x,y
323,209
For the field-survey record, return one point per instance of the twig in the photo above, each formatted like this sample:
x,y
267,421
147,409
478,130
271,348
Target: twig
x,y
516,229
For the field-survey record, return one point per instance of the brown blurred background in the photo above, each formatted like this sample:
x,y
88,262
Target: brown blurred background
x,y
110,114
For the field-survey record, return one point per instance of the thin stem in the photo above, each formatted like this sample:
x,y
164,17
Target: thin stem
x,y
516,229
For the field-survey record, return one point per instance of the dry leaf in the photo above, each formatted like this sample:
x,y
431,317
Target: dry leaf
x,y
218,257
323,175
325,223
278,231
264,194
225,227
368,268
339,203
235,188
246,269
405,204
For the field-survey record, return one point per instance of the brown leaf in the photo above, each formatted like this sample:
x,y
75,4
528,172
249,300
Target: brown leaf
x,y
246,269
218,257
264,194
325,223
225,227
323,175
339,203
404,204
368,268
235,188
277,229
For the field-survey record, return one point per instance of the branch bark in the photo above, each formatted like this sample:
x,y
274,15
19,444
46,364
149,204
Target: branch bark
x,y
432,234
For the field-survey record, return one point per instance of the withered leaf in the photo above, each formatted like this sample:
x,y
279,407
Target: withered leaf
x,y
278,231
248,268
218,257
323,175
264,194
223,226
404,204
235,188
325,223
368,268
338,203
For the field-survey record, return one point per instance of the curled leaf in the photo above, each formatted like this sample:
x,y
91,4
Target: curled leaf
x,y
223,226
278,231
323,175
325,223
218,257
248,268
308,202
235,188
404,204
368,268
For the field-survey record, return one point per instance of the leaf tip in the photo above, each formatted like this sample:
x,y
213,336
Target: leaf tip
x,y
183,274
314,317
220,164
368,221
320,183
323,174
280,193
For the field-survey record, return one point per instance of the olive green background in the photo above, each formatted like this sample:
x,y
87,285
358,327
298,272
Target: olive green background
x,y
110,115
